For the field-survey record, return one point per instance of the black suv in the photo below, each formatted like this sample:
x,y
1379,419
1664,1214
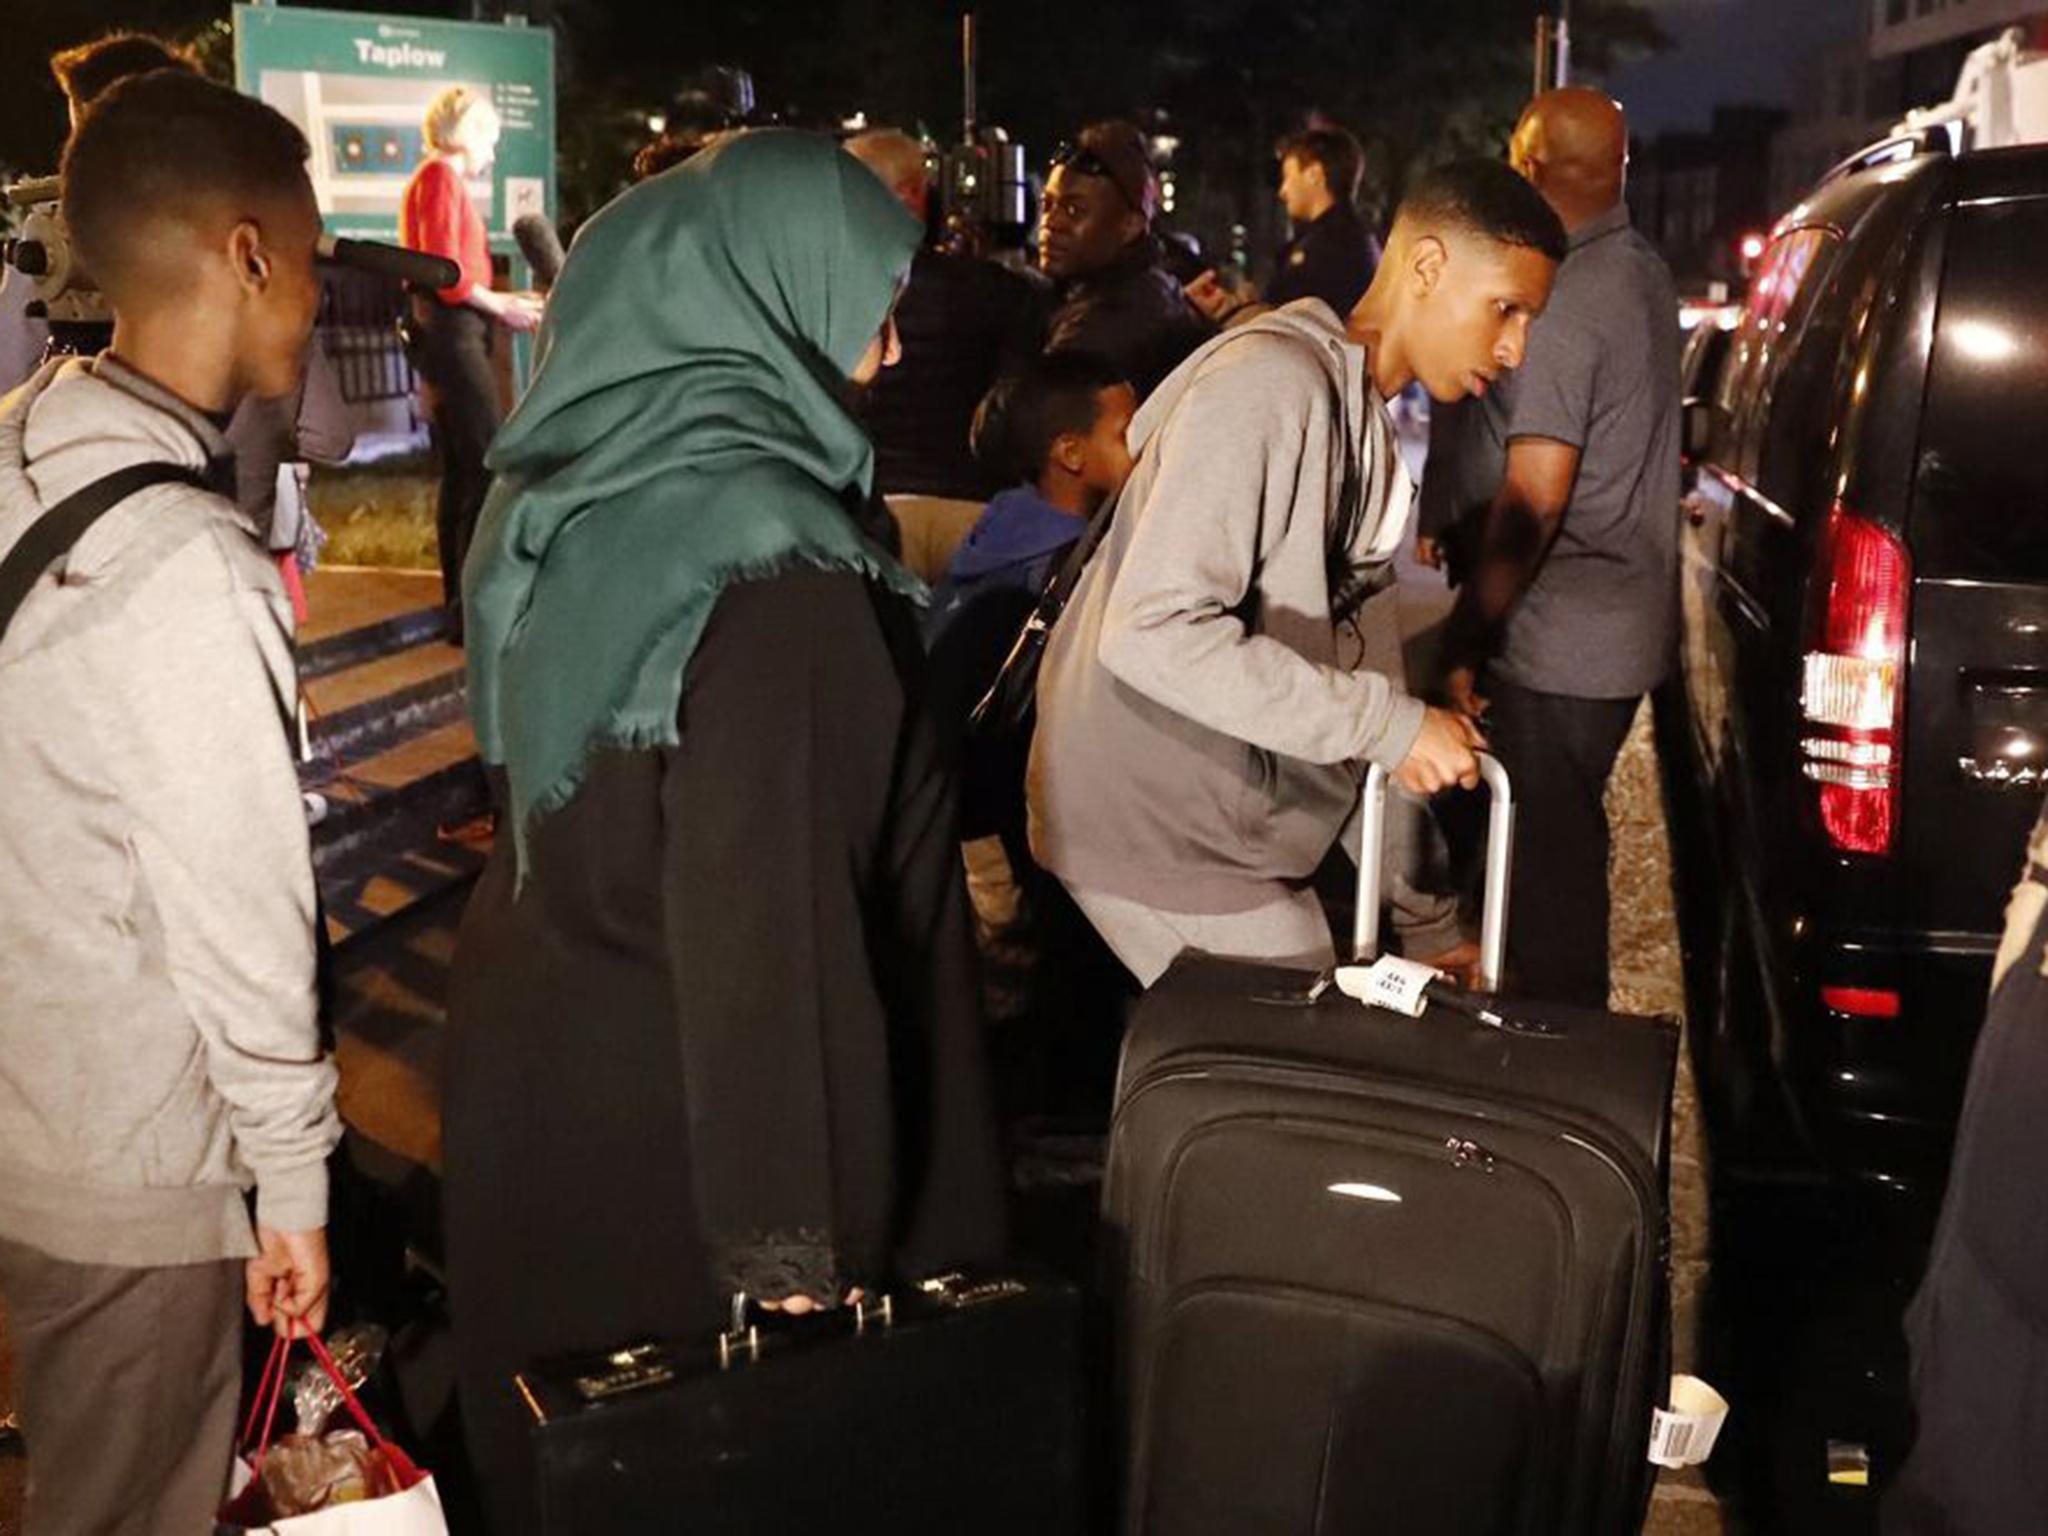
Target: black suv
x,y
1866,655
1859,749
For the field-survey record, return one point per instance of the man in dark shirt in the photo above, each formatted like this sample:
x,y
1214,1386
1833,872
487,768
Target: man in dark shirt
x,y
1332,255
1095,241
1570,466
963,323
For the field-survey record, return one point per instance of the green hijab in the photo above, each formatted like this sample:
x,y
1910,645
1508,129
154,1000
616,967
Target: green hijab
x,y
686,429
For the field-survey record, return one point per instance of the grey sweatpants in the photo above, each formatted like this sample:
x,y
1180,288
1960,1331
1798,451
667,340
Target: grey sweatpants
x,y
1288,930
128,1381
1289,927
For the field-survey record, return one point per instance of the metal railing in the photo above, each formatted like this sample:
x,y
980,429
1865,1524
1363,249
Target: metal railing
x,y
359,316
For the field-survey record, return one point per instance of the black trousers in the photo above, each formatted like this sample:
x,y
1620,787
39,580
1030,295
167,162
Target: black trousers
x,y
1558,751
463,411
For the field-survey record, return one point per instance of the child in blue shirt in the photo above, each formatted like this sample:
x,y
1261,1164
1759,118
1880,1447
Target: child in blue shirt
x,y
1057,429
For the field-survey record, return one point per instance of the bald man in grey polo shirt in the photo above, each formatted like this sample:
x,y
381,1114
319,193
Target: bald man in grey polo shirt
x,y
1569,470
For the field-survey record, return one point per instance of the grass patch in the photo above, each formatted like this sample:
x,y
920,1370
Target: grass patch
x,y
379,514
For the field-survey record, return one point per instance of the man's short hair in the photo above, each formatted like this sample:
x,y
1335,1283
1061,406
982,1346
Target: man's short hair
x,y
158,146
1336,150
1488,198
1028,411
84,73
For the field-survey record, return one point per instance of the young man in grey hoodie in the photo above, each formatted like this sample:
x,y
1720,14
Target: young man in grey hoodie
x,y
159,1054
1212,695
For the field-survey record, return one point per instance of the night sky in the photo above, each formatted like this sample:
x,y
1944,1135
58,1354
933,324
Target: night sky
x,y
1725,52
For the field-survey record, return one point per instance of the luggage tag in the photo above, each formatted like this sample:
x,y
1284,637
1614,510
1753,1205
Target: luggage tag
x,y
1405,987
1683,1435
1408,986
1389,982
1400,986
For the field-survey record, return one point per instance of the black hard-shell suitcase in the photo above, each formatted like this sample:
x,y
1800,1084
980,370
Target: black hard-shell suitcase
x,y
959,1409
1381,1274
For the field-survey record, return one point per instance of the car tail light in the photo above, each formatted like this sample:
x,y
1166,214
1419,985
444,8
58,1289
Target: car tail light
x,y
1854,689
1862,1002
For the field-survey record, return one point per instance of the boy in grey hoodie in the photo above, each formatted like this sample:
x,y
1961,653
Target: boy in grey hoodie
x,y
1211,696
159,1054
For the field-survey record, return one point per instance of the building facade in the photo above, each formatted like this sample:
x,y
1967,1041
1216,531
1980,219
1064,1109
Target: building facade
x,y
1695,195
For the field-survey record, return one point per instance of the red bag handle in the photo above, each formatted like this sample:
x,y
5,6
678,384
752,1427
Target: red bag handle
x,y
274,1366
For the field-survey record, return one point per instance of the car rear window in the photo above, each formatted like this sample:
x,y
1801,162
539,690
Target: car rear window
x,y
1980,506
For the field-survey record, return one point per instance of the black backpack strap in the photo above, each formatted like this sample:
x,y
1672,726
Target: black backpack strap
x,y
51,536
1007,705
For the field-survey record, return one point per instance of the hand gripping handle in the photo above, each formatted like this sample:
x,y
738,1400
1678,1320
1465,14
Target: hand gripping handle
x,y
1500,853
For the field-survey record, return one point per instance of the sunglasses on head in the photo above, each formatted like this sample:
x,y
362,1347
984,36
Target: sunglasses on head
x,y
1085,162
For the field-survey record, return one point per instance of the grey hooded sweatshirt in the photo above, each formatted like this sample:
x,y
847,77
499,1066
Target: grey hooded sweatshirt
x,y
1204,720
158,1046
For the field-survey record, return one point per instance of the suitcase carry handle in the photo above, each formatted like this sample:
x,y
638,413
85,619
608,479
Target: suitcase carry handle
x,y
1500,853
750,1324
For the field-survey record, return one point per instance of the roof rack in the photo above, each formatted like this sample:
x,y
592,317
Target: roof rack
x,y
1935,139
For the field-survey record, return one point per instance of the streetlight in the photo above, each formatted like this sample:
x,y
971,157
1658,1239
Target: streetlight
x,y
1553,48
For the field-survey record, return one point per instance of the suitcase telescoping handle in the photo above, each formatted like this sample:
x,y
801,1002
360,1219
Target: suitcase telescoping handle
x,y
1500,853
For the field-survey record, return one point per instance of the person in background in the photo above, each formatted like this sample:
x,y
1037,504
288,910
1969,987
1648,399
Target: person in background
x,y
1055,433
23,337
456,324
1978,1329
81,73
159,1050
270,436
713,1016
1571,609
964,323
84,71
1095,241
1332,255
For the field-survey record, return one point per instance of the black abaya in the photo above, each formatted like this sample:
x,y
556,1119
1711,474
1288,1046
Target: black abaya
x,y
726,1037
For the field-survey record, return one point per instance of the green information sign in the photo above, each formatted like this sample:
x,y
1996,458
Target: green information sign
x,y
358,87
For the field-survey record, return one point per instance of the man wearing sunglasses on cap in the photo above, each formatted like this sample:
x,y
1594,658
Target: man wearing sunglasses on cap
x,y
1095,241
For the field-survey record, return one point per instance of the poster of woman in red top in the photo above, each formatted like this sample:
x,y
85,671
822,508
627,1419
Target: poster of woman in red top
x,y
457,325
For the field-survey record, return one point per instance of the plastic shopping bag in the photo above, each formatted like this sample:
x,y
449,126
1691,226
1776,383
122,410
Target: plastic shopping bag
x,y
349,1482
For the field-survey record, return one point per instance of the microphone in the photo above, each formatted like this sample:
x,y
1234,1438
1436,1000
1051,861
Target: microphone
x,y
538,242
395,261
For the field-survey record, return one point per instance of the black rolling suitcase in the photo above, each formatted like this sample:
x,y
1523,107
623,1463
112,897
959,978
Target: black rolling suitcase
x,y
955,1408
1386,1275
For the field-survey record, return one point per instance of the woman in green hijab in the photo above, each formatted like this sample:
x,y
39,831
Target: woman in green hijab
x,y
713,1018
